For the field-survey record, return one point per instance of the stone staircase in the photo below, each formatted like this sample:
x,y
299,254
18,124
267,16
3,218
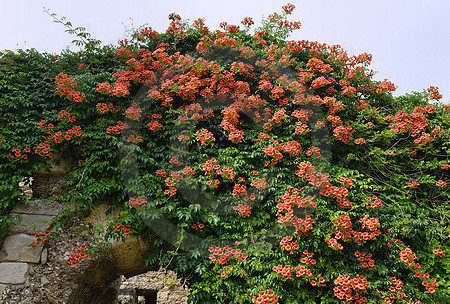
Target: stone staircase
x,y
17,255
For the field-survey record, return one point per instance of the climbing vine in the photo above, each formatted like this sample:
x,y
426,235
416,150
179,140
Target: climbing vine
x,y
267,170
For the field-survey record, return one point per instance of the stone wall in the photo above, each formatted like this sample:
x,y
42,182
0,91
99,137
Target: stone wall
x,y
118,276
158,287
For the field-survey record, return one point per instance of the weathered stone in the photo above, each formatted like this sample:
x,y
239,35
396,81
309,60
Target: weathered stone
x,y
39,207
2,287
30,223
13,273
44,256
126,299
17,248
44,281
162,296
130,255
163,285
128,295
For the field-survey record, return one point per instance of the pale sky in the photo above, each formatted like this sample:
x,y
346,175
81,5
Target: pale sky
x,y
409,39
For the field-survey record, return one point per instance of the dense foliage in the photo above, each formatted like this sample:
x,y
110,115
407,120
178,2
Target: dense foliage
x,y
268,170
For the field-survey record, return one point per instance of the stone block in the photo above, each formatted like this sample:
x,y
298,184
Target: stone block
x,y
39,207
13,273
30,223
44,256
162,296
17,248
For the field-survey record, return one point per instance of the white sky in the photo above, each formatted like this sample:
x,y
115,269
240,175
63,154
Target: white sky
x,y
409,39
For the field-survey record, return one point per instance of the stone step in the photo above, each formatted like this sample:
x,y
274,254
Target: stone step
x,y
13,273
30,223
39,207
17,248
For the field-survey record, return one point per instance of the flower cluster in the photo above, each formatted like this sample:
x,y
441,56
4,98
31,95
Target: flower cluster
x,y
134,139
119,89
288,245
188,171
396,291
171,191
137,202
145,33
198,226
413,184
346,181
205,137
122,228
43,149
292,147
210,165
318,179
288,8
161,173
224,255
286,216
274,152
320,82
18,153
102,108
80,253
371,224
348,90
183,137
244,210
64,116
316,65
333,244
239,190
344,134
303,271
226,172
434,93
377,203
133,112
441,183
259,183
347,285
314,152
439,252
154,125
283,271
408,257
307,258
365,260
345,231
215,183
66,87
174,160
40,238
58,137
265,297
414,123
248,21
117,129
